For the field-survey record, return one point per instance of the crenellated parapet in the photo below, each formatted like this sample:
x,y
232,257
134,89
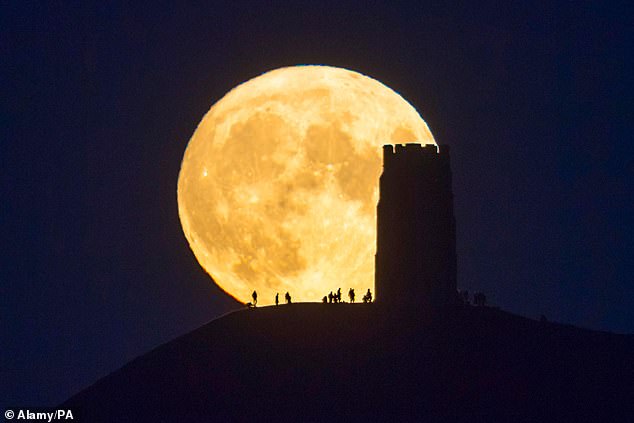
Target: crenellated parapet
x,y
403,153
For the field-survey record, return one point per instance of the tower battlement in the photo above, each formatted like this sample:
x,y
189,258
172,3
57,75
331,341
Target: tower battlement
x,y
416,230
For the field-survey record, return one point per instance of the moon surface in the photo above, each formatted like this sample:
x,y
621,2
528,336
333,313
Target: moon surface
x,y
278,186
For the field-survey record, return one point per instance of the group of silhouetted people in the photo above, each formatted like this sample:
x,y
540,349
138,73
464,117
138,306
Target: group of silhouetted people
x,y
331,298
287,296
479,299
367,298
334,298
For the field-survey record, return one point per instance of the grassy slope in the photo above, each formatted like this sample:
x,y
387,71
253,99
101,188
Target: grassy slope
x,y
315,361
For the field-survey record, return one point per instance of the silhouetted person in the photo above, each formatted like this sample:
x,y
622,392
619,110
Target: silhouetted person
x,y
351,295
339,295
324,300
479,299
255,298
330,297
277,298
288,298
367,298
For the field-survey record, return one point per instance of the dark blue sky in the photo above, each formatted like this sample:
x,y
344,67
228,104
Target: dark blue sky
x,y
99,101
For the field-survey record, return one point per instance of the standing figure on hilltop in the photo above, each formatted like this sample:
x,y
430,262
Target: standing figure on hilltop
x,y
277,298
330,297
479,299
351,295
367,298
339,295
288,298
255,298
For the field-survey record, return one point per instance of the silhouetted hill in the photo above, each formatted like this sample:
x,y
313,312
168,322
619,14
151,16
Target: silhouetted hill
x,y
348,362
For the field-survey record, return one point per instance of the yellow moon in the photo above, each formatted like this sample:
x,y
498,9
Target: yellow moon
x,y
278,186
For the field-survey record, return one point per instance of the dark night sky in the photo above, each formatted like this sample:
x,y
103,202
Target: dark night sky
x,y
99,103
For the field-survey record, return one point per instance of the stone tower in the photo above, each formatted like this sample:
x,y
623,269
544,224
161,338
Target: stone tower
x,y
416,228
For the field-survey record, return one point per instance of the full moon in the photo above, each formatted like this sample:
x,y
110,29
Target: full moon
x,y
278,186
